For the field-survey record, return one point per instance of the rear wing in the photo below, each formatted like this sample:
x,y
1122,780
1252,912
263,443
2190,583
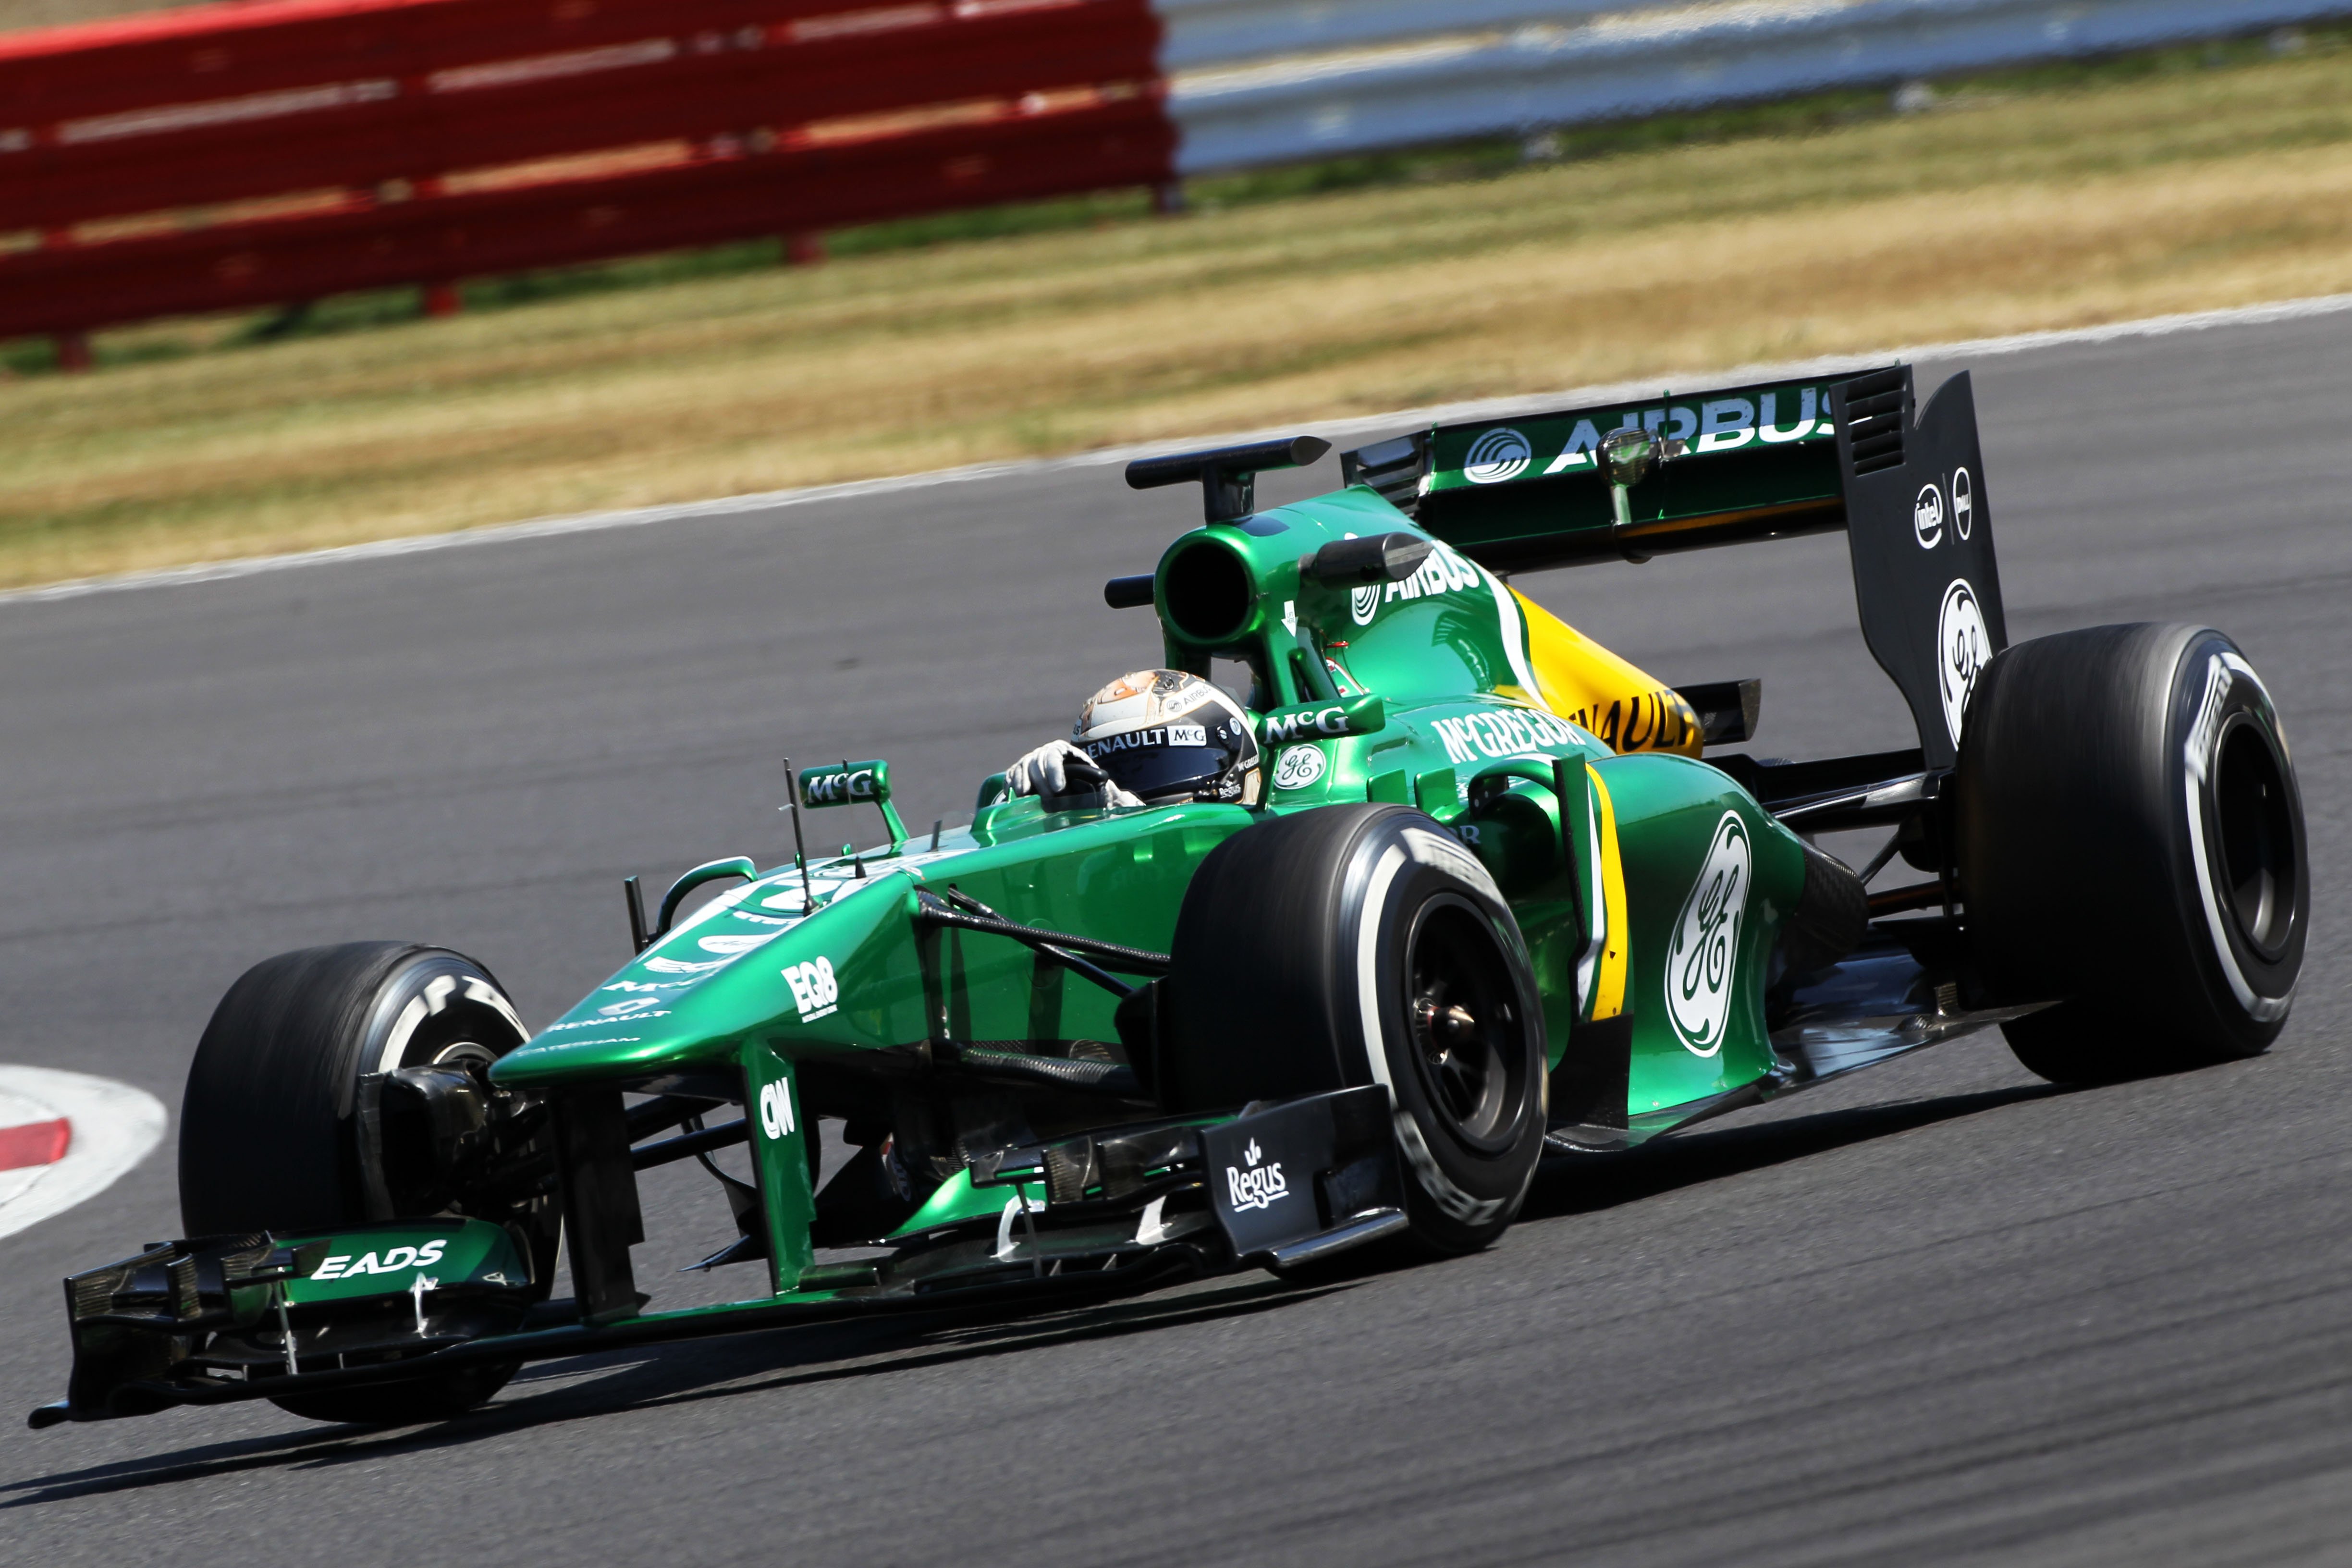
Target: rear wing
x,y
1772,460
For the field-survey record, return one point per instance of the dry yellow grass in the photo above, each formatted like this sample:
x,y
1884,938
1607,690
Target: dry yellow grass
x,y
17,14
2175,192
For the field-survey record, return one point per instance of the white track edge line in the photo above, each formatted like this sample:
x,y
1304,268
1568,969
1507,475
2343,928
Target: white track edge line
x,y
728,506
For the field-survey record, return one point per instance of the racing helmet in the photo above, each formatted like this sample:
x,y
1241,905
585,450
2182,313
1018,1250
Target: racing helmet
x,y
1163,735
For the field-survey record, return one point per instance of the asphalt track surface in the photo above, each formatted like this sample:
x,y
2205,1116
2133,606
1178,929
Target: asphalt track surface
x,y
1936,1313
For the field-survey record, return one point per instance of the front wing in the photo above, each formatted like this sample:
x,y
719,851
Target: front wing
x,y
217,1319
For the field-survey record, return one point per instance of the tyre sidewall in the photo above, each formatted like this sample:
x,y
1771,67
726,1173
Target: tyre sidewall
x,y
2216,695
431,1005
1400,865
269,1122
2090,851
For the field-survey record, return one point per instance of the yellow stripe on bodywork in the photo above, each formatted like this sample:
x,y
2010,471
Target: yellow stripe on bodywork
x,y
1591,686
1608,987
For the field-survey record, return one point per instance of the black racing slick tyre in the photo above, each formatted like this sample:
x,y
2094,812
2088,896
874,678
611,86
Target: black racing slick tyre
x,y
267,1127
2130,842
1362,944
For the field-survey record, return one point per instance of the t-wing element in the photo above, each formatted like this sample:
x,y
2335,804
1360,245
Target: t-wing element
x,y
1228,475
1382,558
1727,709
1920,532
854,784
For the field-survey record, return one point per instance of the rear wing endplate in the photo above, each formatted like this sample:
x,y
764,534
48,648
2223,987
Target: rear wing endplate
x,y
1772,460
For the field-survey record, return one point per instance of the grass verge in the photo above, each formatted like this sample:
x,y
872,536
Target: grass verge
x,y
2181,180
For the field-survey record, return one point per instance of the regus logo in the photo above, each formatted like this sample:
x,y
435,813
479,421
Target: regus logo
x,y
1259,1186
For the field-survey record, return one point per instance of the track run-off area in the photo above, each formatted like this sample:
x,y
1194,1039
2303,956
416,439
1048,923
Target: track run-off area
x,y
1937,1312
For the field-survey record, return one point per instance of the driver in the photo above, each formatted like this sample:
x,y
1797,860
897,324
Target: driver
x,y
1149,738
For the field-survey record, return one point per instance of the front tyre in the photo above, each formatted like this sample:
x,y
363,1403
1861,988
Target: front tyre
x,y
268,1132
2130,841
1362,944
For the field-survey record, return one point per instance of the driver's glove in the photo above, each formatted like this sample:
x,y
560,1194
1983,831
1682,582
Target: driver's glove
x,y
1064,778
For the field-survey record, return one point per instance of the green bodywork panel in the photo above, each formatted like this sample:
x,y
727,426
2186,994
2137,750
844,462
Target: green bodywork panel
x,y
958,1200
387,1259
1404,691
1669,810
780,1141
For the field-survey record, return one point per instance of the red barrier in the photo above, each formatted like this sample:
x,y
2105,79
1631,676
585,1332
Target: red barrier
x,y
1020,158
779,116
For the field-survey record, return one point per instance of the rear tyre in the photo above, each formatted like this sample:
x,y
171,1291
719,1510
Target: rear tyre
x,y
2130,842
268,1137
1362,944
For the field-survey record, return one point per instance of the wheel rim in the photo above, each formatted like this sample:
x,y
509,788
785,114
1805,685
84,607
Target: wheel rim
x,y
1469,1040
2258,871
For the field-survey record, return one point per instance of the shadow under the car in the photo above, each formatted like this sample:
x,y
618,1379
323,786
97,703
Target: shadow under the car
x,y
1587,1184
685,1373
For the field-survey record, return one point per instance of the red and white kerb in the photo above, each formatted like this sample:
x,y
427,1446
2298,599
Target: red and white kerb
x,y
66,1137
35,1144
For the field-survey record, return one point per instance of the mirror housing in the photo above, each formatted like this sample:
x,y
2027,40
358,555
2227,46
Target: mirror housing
x,y
854,784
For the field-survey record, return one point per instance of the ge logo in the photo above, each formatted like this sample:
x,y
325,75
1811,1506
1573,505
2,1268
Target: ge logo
x,y
776,1109
1705,956
1298,767
1963,647
1927,517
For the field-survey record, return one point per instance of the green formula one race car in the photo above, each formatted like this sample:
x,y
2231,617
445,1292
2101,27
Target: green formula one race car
x,y
1460,890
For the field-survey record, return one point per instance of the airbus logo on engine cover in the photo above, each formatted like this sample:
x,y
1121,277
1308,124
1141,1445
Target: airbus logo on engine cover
x,y
1442,573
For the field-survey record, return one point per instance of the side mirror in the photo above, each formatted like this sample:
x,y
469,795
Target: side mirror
x,y
854,784
1626,458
